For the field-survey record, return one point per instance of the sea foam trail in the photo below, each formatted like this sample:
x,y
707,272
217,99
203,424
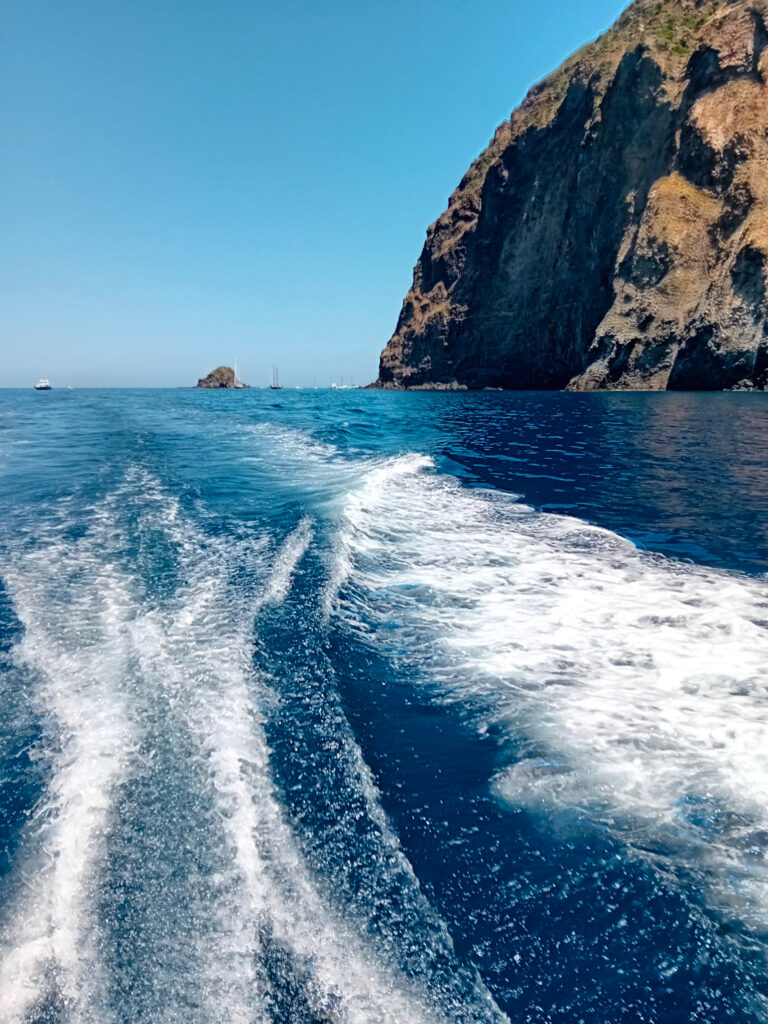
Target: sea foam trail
x,y
196,648
635,684
75,608
273,898
111,654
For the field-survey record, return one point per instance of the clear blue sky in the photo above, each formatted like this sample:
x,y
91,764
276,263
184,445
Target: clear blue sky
x,y
184,182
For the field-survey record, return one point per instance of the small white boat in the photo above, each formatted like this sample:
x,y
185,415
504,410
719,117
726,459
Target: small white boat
x,y
43,385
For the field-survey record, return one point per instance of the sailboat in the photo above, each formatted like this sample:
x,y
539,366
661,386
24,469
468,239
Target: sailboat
x,y
275,385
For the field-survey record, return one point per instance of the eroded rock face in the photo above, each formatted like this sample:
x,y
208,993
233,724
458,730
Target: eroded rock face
x,y
615,232
221,377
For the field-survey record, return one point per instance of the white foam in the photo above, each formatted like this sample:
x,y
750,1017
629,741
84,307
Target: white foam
x,y
277,895
112,657
75,609
638,682
298,462
284,566
290,445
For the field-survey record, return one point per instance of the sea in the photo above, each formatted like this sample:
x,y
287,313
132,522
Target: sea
x,y
371,707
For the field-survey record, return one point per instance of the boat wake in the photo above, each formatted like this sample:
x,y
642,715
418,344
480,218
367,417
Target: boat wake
x,y
184,707
160,877
76,646
630,686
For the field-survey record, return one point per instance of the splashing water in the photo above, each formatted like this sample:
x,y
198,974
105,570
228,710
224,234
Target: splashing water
x,y
305,718
635,684
110,658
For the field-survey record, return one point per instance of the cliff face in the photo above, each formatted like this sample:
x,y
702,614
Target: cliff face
x,y
615,232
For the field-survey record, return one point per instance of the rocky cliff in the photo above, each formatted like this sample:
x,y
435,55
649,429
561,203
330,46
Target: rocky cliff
x,y
614,234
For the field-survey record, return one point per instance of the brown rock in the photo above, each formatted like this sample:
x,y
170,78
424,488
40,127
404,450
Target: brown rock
x,y
615,232
221,377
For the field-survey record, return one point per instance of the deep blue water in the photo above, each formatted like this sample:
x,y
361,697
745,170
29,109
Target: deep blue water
x,y
375,707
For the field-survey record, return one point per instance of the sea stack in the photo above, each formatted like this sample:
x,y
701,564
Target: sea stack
x,y
221,377
614,234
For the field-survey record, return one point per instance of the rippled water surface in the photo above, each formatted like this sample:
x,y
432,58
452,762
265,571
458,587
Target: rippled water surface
x,y
373,707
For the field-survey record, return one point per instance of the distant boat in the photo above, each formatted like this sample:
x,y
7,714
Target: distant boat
x,y
43,385
275,385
